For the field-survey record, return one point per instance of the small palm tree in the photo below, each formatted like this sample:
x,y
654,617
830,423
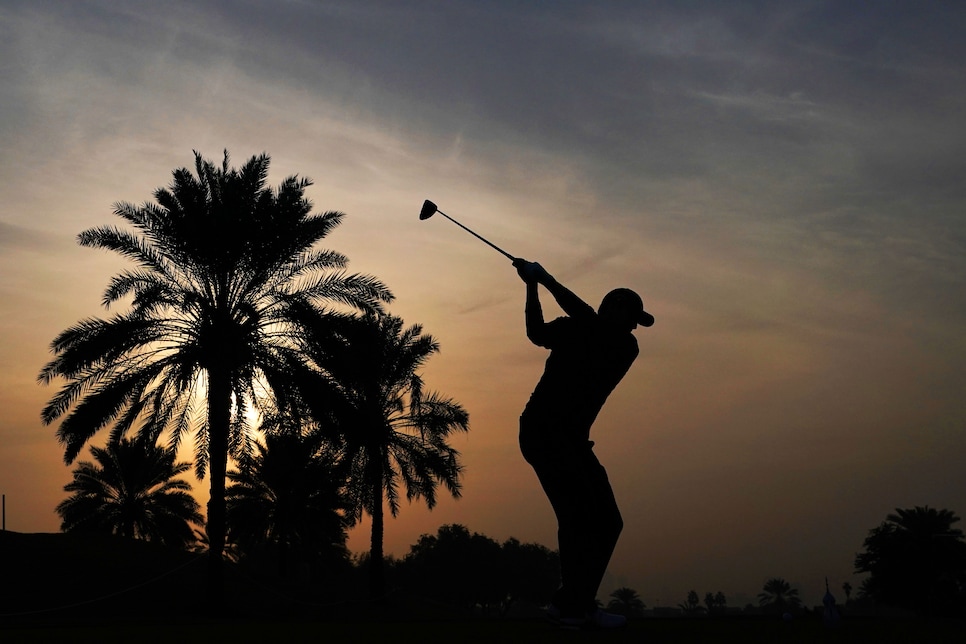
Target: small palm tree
x,y
224,266
131,490
692,605
715,603
847,589
392,431
625,601
288,496
778,595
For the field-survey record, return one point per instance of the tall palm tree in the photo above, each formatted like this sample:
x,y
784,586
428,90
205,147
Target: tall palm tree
x,y
392,431
778,595
130,490
223,263
289,496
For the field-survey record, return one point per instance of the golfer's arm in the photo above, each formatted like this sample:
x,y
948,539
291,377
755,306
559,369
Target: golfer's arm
x,y
568,301
534,313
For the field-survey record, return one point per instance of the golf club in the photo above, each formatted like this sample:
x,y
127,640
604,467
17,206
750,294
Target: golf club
x,y
430,209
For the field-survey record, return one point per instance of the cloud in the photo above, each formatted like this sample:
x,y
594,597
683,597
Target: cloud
x,y
13,236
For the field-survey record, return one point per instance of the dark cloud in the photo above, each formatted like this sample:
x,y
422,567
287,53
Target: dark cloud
x,y
839,121
634,91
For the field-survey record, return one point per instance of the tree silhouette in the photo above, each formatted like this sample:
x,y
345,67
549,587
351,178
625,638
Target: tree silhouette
x,y
692,605
531,573
392,432
715,603
288,497
778,596
625,601
223,263
469,570
916,559
130,490
847,589
457,567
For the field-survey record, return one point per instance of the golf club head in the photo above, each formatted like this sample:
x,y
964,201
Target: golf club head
x,y
429,209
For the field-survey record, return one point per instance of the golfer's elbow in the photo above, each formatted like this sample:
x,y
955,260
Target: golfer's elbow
x,y
536,335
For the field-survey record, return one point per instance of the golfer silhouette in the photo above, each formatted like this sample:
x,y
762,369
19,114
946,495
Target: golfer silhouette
x,y
590,351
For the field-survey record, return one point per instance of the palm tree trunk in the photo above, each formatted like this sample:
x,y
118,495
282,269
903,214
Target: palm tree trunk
x,y
283,559
377,564
219,416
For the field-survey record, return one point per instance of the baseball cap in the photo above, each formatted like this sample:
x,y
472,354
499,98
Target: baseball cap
x,y
625,297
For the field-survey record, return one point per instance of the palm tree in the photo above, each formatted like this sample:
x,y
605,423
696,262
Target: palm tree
x,y
223,265
625,601
288,496
391,430
692,605
715,603
916,559
778,595
130,490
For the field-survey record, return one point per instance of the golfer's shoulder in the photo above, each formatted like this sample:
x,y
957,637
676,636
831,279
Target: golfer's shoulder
x,y
624,344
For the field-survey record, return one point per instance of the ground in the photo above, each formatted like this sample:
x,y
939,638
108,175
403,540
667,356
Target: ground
x,y
70,588
469,631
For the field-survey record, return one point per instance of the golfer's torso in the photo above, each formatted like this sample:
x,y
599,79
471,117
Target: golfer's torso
x,y
585,365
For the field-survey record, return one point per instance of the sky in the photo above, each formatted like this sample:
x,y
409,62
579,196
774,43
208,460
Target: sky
x,y
782,182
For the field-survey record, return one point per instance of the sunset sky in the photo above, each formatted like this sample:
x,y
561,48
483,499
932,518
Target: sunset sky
x,y
783,182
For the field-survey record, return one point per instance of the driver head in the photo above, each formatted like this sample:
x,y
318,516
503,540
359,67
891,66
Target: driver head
x,y
428,210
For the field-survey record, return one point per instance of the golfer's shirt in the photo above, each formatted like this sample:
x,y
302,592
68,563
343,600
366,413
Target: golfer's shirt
x,y
586,362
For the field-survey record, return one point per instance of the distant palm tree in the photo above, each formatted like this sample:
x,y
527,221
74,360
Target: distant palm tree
x,y
692,605
778,595
223,265
625,601
131,490
715,603
392,432
288,495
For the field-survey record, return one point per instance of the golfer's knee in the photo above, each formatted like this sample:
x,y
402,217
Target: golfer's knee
x,y
615,524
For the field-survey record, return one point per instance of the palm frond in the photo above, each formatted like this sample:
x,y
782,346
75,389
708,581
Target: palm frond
x,y
361,292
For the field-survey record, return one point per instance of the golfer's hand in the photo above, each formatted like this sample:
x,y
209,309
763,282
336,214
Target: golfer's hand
x,y
530,272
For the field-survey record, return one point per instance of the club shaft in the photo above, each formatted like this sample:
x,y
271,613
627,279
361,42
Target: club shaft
x,y
481,238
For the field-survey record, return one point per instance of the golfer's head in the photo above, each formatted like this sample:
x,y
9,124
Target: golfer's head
x,y
623,308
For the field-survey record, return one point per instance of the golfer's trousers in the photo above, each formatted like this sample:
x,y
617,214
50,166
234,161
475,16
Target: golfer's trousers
x,y
588,520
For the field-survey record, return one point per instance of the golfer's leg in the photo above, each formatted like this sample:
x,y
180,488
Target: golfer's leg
x,y
590,524
551,467
559,487
603,526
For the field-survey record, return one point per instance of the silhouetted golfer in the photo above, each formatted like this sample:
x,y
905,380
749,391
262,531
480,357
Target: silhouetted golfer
x,y
589,354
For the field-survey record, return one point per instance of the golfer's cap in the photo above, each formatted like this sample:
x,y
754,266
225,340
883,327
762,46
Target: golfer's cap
x,y
628,298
